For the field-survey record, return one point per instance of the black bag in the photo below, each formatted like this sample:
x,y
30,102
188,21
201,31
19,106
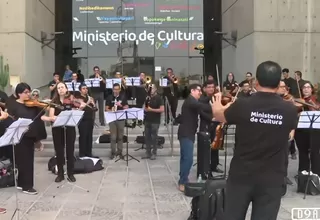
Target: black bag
x,y
160,140
313,185
208,200
105,139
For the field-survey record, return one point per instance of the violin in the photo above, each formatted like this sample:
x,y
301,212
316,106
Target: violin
x,y
35,103
307,102
71,101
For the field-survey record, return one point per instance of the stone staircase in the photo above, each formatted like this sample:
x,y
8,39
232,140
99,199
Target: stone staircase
x,y
103,150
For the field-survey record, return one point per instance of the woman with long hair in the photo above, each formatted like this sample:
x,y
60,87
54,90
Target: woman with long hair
x,y
230,85
308,152
24,151
64,136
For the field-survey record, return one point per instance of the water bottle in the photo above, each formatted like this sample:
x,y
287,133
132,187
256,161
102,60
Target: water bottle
x,y
199,179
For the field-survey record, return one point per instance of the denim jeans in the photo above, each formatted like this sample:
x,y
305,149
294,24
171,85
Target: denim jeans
x,y
186,159
151,135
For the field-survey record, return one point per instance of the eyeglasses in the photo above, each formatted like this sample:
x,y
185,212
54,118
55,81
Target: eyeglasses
x,y
307,87
36,95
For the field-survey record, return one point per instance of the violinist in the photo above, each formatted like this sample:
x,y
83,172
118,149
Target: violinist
x,y
24,151
86,124
283,91
187,130
230,85
258,167
245,89
208,125
308,151
64,136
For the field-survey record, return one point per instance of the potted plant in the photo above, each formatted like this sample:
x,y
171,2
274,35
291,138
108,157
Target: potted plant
x,y
4,74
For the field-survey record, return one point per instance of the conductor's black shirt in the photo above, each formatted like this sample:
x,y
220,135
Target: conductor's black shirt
x,y
263,123
190,110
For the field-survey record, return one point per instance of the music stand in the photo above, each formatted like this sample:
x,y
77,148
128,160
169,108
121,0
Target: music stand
x,y
13,135
111,82
93,82
68,119
73,86
309,120
131,113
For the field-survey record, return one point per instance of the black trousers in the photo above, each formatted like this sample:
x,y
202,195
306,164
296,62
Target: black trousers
x,y
173,102
24,157
265,201
85,137
308,152
59,135
292,147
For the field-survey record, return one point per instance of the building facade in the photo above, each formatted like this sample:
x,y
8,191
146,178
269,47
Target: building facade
x,y
23,23
138,36
287,32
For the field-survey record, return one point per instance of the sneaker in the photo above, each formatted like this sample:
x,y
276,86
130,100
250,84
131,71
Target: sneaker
x,y
19,188
31,191
71,178
3,210
153,157
181,188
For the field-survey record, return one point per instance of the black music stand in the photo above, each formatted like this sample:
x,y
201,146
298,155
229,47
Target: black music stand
x,y
68,119
13,135
131,113
309,120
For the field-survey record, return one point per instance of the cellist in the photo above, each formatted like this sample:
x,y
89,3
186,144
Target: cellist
x,y
308,152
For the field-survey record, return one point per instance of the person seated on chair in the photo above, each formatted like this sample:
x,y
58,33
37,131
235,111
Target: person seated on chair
x,y
116,102
154,106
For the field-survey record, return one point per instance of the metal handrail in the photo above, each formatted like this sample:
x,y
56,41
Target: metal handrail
x,y
170,129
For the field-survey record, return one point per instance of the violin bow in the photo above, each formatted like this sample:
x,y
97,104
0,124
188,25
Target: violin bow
x,y
218,78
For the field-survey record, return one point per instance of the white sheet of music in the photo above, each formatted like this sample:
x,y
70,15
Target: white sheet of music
x,y
131,113
163,82
306,117
93,82
73,86
111,82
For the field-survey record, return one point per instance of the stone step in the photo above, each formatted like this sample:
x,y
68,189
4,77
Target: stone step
x,y
102,152
132,137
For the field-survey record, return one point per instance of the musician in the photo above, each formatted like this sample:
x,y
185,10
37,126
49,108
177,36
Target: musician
x,y
230,84
42,132
63,137
98,93
24,151
283,91
207,125
53,83
290,83
171,92
154,106
187,129
245,89
118,101
258,167
74,81
123,84
248,76
3,116
86,124
308,152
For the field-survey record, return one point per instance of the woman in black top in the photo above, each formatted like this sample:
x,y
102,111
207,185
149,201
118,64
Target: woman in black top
x,y
24,151
63,136
230,84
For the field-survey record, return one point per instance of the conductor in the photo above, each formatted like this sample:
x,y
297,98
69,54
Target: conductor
x,y
258,168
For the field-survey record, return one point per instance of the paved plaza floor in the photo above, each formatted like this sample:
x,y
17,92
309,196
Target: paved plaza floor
x,y
144,191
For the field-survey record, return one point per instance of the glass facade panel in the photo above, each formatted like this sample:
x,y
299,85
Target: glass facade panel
x,y
139,33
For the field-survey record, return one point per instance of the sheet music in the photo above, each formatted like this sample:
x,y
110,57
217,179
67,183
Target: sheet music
x,y
133,81
131,113
163,82
110,82
73,86
15,132
68,118
93,82
305,119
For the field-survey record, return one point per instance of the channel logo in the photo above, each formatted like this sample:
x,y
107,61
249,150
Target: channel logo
x,y
148,20
114,20
91,9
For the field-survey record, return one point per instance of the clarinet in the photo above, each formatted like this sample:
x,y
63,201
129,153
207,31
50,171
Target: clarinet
x,y
147,102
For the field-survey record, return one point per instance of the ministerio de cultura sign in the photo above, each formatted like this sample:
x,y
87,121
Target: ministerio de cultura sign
x,y
145,36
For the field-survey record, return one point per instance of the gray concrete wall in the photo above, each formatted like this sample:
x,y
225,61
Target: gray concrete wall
x,y
287,32
21,23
